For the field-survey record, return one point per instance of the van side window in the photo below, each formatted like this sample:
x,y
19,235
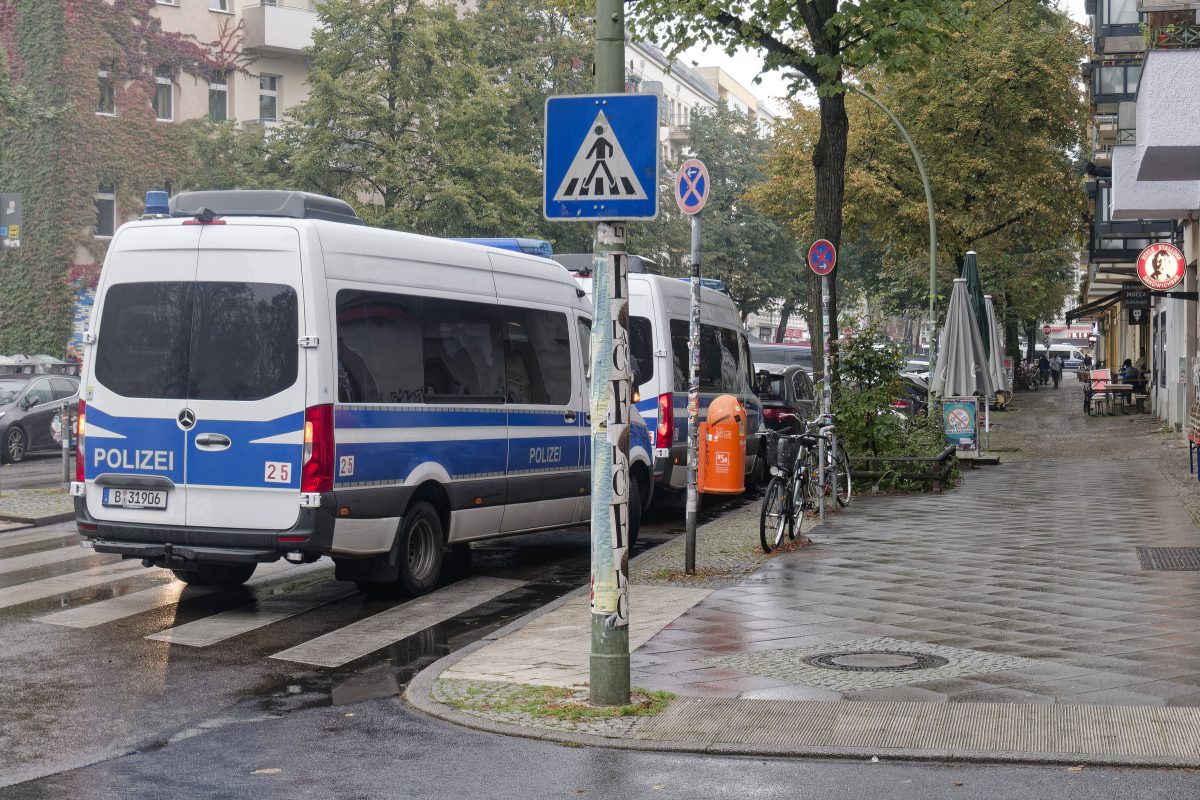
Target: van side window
x,y
720,367
462,349
537,357
641,348
585,348
379,348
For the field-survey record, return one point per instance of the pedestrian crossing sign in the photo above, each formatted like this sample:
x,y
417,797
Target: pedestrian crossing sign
x,y
601,157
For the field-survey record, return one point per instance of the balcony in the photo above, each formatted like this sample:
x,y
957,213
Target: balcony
x,y
679,133
1180,36
1168,117
1133,198
283,26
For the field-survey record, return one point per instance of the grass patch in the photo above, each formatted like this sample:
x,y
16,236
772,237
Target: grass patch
x,y
557,703
679,576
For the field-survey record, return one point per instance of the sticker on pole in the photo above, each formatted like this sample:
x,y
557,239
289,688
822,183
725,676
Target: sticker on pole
x,y
1160,266
691,186
822,256
601,157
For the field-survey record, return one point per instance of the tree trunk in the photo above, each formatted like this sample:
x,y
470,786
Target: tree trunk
x,y
1031,332
785,314
829,169
812,315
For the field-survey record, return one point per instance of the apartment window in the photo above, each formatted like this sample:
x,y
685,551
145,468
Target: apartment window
x,y
168,2
106,210
219,5
164,93
107,98
268,97
218,96
1120,12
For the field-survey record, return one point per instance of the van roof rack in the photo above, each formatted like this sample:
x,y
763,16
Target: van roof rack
x,y
263,203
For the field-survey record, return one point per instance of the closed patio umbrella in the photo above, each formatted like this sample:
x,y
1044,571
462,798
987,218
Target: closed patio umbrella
x,y
996,369
962,367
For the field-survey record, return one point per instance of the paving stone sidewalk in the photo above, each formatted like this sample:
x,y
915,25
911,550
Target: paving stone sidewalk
x,y
1020,604
35,506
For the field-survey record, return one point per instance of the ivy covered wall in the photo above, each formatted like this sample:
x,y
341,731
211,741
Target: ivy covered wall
x,y
56,48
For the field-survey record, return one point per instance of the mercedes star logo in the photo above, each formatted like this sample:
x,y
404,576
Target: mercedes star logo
x,y
186,418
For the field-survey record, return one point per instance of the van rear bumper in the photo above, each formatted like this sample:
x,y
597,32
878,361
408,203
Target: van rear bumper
x,y
168,543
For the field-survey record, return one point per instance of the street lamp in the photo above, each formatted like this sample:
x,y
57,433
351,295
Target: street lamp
x,y
932,231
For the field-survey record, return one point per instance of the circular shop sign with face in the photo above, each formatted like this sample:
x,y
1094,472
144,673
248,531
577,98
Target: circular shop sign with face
x,y
1160,266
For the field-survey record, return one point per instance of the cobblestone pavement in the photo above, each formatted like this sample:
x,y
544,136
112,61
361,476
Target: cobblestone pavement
x,y
1033,560
36,506
727,550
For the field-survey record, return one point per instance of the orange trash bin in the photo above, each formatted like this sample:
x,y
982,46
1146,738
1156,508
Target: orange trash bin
x,y
723,448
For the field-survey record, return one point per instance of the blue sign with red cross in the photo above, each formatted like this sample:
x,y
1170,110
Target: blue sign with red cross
x,y
822,256
691,186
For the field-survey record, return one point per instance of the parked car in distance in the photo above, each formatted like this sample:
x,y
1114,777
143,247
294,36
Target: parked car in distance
x,y
914,397
770,353
787,394
29,405
918,367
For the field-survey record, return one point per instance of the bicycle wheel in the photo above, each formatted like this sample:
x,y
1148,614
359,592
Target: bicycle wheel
x,y
841,477
776,518
807,492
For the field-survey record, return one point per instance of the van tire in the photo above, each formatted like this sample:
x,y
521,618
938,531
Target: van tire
x,y
420,547
216,574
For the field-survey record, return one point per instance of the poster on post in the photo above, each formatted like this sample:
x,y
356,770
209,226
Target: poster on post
x,y
960,423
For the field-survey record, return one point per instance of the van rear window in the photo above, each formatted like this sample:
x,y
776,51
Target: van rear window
x,y
198,340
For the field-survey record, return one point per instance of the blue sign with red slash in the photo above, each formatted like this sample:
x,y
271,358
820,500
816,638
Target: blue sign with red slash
x,y
691,186
822,256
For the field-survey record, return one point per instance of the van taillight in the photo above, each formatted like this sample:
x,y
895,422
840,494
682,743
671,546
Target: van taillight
x,y
316,472
79,426
666,421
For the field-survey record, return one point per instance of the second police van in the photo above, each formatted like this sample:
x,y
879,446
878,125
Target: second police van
x,y
659,328
266,377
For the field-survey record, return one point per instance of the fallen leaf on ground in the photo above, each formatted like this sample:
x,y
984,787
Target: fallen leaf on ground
x,y
267,771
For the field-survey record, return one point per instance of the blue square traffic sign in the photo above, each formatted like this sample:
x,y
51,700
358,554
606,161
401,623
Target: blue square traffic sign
x,y
601,159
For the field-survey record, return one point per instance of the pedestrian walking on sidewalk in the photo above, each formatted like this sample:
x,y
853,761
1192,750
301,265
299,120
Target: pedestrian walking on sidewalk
x,y
1056,366
1043,369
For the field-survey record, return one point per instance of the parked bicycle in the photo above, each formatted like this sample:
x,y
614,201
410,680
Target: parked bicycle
x,y
795,485
1027,378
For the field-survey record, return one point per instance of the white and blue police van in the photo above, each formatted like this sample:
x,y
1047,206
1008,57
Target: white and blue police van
x,y
266,377
659,328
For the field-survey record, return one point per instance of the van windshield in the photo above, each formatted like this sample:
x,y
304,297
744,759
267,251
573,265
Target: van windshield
x,y
209,340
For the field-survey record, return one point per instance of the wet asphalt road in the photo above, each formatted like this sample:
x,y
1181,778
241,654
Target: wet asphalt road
x,y
71,696
37,471
101,712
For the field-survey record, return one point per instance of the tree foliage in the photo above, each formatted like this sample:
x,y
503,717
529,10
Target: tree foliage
x,y
997,117
755,256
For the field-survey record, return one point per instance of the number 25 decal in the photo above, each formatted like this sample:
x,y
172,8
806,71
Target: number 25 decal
x,y
345,466
277,472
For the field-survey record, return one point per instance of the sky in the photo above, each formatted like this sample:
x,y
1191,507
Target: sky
x,y
745,65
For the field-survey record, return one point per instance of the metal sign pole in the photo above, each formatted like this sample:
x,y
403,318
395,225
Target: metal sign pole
x,y
826,387
610,408
693,492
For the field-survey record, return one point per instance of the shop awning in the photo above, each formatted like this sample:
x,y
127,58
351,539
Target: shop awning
x,y
1095,307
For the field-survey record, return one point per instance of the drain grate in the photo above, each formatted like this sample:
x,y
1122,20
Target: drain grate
x,y
1175,559
876,661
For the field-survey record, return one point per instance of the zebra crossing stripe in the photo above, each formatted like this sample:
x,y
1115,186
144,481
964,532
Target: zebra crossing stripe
x,y
61,584
43,558
253,616
38,535
105,611
373,633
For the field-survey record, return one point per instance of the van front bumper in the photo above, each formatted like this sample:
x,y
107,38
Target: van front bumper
x,y
167,545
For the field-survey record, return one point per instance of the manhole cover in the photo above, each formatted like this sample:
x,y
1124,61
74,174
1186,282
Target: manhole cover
x,y
1176,559
876,661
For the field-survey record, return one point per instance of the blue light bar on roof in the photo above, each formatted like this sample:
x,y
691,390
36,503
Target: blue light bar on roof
x,y
533,247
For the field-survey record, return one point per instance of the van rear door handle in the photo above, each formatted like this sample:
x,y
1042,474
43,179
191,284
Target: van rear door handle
x,y
212,441
569,416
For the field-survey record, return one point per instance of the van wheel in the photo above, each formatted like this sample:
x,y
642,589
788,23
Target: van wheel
x,y
216,574
420,547
635,511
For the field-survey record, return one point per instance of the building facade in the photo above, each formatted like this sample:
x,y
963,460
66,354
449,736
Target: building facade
x,y
1144,180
